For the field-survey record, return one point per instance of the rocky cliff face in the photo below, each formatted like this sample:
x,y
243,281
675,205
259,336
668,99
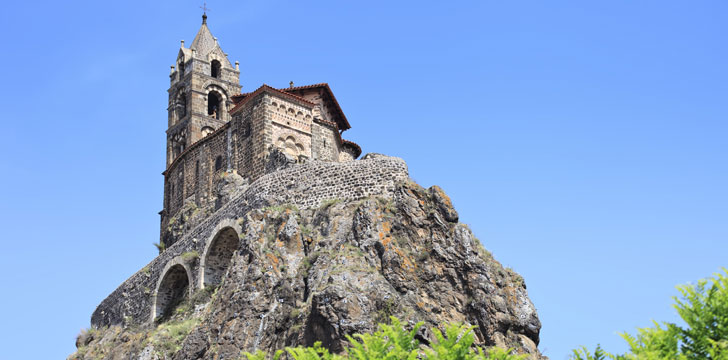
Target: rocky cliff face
x,y
309,275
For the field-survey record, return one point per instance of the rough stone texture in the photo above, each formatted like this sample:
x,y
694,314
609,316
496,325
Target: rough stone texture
x,y
300,185
278,160
330,269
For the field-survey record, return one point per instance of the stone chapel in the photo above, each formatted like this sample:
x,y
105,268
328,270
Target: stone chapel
x,y
214,129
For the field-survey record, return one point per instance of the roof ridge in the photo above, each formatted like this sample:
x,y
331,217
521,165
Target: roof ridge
x,y
268,87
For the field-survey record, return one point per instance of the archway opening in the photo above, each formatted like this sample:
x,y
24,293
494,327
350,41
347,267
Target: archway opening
x,y
215,69
219,256
213,104
172,291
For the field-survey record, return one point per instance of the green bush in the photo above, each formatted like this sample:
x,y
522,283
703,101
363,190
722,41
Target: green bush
x,y
393,342
704,309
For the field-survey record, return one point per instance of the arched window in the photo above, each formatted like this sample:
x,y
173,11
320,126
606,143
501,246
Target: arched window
x,y
178,144
215,69
214,102
172,291
219,255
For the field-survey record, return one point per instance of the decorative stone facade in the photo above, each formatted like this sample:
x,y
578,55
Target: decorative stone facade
x,y
202,84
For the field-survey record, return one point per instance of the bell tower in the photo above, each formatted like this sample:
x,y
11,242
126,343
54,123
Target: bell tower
x,y
202,82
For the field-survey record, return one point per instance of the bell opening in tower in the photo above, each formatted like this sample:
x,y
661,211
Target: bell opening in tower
x,y
213,104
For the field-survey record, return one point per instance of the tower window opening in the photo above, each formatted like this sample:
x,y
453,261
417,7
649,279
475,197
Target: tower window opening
x,y
181,69
215,69
213,104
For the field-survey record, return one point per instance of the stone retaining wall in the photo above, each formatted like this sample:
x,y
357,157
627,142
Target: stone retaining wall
x,y
303,185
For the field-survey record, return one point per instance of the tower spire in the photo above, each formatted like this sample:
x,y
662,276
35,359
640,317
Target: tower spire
x,y
204,12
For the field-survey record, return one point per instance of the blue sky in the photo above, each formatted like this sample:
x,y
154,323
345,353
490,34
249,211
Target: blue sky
x,y
584,142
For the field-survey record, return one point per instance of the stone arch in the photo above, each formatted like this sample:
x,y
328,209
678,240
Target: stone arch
x,y
172,288
211,85
220,100
290,146
219,250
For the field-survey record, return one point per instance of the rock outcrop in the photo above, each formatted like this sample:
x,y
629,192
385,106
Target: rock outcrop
x,y
302,275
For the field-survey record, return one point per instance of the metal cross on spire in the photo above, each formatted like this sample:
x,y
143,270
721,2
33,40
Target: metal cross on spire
x,y
205,9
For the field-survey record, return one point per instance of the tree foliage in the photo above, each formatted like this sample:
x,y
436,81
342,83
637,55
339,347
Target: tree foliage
x,y
704,309
393,342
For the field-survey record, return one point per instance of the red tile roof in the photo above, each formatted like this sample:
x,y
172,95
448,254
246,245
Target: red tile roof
x,y
357,148
244,98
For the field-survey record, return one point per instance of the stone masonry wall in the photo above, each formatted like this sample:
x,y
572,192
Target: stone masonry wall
x,y
242,146
291,125
325,146
303,185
